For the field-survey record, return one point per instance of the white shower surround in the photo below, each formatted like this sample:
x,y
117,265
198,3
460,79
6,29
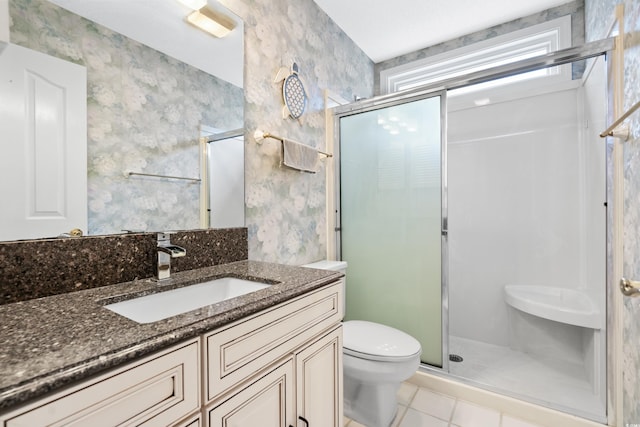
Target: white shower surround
x,y
526,207
530,228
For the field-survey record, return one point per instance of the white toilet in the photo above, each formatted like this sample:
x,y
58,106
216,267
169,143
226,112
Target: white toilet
x,y
376,359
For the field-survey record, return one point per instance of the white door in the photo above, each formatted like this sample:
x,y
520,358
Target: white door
x,y
43,145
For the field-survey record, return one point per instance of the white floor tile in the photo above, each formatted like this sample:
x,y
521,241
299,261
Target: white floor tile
x,y
413,418
420,407
434,404
406,393
508,421
395,423
399,415
467,414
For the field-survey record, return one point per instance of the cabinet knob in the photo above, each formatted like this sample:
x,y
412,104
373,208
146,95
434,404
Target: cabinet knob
x,y
304,420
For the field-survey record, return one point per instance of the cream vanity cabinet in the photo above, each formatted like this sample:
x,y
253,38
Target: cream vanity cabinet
x,y
304,388
280,367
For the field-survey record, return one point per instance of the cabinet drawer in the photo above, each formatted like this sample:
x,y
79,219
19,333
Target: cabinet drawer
x,y
236,352
158,390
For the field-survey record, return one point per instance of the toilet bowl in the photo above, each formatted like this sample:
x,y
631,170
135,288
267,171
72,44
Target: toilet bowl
x,y
376,360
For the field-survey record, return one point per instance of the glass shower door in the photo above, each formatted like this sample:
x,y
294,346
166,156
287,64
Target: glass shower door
x,y
391,218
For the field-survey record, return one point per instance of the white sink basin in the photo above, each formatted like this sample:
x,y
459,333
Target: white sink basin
x,y
162,305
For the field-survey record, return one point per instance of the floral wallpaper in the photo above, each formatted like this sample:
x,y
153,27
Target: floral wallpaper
x,y
599,14
144,112
285,209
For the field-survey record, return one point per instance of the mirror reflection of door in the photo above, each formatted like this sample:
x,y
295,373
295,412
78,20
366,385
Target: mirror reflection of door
x,y
43,160
225,177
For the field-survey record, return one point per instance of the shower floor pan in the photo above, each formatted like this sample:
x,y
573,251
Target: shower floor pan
x,y
557,384
559,304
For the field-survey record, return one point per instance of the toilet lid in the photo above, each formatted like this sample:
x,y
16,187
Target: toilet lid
x,y
374,341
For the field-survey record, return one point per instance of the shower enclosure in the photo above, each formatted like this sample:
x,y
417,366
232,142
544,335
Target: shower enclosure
x,y
222,172
473,217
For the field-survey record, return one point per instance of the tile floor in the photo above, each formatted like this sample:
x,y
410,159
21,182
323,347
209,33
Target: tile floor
x,y
420,407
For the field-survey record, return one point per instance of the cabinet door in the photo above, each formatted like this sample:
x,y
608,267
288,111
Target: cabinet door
x,y
193,421
319,381
267,402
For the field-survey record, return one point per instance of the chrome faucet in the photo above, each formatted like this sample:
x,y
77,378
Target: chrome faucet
x,y
166,251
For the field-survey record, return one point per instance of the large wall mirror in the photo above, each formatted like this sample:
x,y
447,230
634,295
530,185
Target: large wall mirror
x,y
154,86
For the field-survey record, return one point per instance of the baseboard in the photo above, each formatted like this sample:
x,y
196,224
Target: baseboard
x,y
517,408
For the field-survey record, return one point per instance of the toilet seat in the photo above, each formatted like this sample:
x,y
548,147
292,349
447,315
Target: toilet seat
x,y
373,341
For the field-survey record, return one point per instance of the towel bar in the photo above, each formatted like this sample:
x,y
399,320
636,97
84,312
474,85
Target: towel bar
x,y
610,131
260,135
164,176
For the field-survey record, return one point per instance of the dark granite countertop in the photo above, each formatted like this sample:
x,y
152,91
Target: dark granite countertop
x,y
53,341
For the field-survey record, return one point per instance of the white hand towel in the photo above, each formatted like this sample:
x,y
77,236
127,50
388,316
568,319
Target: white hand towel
x,y
299,156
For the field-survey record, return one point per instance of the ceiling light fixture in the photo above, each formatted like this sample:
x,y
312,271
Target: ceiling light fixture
x,y
211,21
194,4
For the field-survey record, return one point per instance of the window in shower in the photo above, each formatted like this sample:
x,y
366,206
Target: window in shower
x,y
508,48
391,218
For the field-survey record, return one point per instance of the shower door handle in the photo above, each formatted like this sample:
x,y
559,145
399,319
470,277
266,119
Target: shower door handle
x,y
629,288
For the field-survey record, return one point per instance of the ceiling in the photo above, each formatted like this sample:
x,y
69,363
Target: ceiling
x,y
384,29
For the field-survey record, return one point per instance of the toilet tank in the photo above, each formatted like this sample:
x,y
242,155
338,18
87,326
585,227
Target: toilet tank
x,y
326,264
340,266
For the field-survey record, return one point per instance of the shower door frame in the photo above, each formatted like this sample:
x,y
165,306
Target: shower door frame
x,y
560,57
390,101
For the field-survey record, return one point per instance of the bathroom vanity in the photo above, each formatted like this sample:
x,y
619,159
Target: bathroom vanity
x,y
272,357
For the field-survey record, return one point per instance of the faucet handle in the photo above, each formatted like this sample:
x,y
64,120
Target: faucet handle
x,y
174,251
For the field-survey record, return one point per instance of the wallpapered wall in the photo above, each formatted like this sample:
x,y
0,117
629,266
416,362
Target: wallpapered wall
x,y
285,209
144,112
599,14
146,121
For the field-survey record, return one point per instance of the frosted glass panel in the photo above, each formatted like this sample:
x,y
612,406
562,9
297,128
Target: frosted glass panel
x,y
390,190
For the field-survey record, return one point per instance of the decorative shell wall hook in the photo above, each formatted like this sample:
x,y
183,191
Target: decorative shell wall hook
x,y
293,94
